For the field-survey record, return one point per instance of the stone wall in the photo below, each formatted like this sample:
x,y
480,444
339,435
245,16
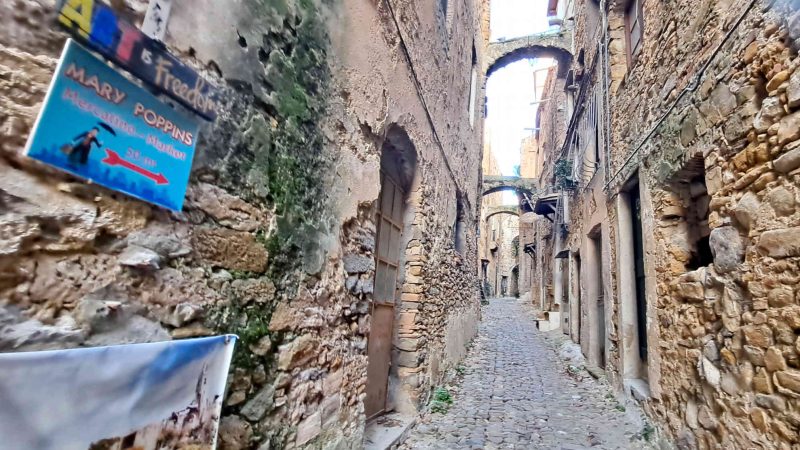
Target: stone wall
x,y
276,239
704,119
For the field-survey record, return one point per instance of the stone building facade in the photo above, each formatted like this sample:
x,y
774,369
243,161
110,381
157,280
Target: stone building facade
x,y
325,102
678,179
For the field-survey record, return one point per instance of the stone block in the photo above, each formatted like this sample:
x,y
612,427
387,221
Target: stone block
x,y
714,180
781,296
309,429
691,291
788,161
757,335
234,433
407,359
140,258
780,243
789,129
773,359
298,352
746,211
284,318
710,372
727,247
257,406
332,383
358,263
330,409
773,402
226,209
793,90
762,382
760,419
789,379
229,249
779,78
408,344
781,200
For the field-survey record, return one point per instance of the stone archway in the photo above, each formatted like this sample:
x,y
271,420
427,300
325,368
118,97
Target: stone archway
x,y
555,45
495,210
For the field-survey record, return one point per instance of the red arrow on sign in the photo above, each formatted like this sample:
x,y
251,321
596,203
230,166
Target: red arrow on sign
x,y
113,159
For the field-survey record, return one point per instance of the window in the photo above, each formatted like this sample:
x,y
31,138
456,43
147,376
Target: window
x,y
633,21
459,226
473,87
446,14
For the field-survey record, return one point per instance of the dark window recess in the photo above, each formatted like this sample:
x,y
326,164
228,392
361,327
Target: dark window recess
x,y
702,256
697,207
638,256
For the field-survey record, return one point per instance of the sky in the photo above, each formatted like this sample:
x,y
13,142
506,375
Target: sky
x,y
510,90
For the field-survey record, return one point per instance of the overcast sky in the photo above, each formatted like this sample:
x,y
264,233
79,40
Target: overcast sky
x,y
509,90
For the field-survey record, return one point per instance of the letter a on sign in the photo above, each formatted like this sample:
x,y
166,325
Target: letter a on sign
x,y
77,12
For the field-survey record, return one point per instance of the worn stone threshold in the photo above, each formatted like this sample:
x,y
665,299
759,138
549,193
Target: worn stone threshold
x,y
638,389
387,431
595,371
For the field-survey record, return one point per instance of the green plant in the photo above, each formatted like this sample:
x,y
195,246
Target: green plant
x,y
619,408
439,407
441,401
648,432
461,370
441,394
563,174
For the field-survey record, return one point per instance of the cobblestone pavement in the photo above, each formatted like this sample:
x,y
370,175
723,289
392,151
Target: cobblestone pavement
x,y
517,394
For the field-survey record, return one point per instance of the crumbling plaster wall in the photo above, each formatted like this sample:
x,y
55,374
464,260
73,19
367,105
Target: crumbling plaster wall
x,y
276,238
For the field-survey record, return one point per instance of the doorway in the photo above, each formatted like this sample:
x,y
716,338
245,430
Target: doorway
x,y
397,171
599,300
631,281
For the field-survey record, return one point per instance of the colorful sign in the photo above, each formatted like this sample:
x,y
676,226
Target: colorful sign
x,y
96,24
158,396
98,125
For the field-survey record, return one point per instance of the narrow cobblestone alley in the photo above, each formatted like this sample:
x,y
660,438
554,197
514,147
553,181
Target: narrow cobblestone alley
x,y
517,394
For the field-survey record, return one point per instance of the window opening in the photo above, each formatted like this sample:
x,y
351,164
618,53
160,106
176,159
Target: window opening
x,y
633,19
459,226
473,87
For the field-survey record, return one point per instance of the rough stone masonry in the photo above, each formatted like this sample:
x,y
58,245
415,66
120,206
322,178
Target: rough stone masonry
x,y
277,238
701,123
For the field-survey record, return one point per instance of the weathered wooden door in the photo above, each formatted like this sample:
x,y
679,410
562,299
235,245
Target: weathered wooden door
x,y
387,267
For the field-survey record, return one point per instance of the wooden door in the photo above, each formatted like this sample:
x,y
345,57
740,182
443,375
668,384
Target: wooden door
x,y
387,266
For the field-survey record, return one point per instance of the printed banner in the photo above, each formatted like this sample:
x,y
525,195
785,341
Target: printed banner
x,y
98,125
96,24
159,396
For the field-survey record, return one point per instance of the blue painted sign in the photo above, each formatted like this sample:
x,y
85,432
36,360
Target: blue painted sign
x,y
98,125
96,24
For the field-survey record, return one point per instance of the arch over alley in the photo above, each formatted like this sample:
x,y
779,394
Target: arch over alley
x,y
498,183
554,45
505,209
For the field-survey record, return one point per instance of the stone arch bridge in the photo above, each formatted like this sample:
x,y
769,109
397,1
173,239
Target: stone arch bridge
x,y
493,183
505,209
551,44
